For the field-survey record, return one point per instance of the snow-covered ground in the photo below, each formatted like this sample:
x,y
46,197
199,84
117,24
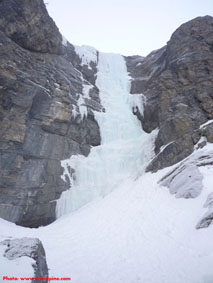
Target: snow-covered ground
x,y
137,233
130,229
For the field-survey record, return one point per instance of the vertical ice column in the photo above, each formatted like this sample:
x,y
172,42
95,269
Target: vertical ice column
x,y
125,147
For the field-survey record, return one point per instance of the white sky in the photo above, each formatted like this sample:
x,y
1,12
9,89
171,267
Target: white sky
x,y
128,27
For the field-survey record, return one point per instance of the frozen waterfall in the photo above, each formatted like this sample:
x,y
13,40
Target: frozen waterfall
x,y
125,148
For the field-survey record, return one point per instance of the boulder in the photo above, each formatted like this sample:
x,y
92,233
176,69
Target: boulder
x,y
26,247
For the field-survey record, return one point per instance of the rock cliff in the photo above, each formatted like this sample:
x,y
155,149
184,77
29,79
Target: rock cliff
x,y
26,22
177,81
41,86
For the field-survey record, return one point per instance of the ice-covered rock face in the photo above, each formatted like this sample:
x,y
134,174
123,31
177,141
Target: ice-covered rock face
x,y
125,148
27,252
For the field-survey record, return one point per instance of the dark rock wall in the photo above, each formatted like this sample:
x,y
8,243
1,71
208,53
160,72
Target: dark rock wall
x,y
38,93
27,24
177,81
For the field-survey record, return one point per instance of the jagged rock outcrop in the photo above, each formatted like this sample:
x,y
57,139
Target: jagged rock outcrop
x,y
178,84
27,247
40,119
207,218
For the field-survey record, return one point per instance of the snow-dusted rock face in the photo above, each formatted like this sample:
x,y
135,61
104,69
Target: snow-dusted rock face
x,y
191,178
185,181
25,252
177,82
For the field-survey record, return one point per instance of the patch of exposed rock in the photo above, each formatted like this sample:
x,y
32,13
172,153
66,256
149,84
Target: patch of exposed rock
x,y
177,81
207,218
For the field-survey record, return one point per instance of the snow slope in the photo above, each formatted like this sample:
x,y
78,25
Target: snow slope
x,y
138,233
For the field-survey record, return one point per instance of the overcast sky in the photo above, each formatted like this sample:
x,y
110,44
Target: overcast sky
x,y
127,27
